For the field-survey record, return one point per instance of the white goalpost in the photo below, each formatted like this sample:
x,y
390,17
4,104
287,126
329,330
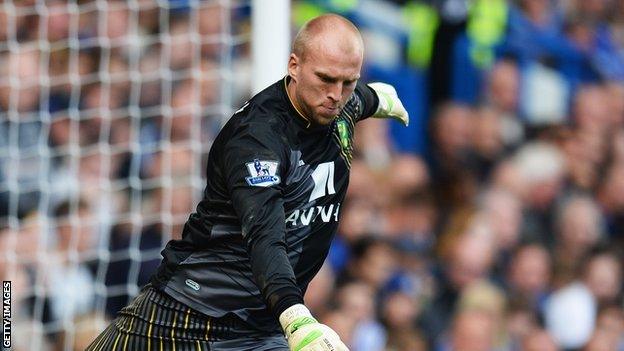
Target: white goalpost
x,y
270,41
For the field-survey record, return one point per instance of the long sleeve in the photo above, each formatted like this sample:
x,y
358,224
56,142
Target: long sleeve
x,y
367,98
255,163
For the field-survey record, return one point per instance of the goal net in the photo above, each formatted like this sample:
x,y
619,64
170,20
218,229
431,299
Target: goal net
x,y
107,112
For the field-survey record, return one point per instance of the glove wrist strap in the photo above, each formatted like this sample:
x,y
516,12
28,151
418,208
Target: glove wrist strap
x,y
293,313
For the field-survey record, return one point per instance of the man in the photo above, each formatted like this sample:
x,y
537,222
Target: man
x,y
277,174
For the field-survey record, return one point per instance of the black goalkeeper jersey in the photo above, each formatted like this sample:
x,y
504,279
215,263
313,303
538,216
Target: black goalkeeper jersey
x,y
275,185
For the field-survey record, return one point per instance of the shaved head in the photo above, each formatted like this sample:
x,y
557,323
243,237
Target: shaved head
x,y
328,29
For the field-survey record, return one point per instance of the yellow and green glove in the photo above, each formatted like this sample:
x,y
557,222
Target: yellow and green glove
x,y
389,104
304,333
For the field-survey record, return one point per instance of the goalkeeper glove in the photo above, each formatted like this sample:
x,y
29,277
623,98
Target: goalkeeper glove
x,y
389,104
304,333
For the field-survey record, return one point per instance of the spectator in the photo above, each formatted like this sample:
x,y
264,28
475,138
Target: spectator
x,y
399,312
356,300
539,340
529,275
472,330
578,226
602,274
487,298
319,291
359,217
469,260
487,141
373,262
611,322
584,151
588,112
454,180
19,99
70,280
406,174
373,143
502,96
521,322
503,212
542,169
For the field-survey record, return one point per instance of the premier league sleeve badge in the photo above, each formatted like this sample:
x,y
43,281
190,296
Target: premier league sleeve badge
x,y
262,173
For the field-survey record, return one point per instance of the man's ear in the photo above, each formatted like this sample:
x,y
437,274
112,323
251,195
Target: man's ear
x,y
293,66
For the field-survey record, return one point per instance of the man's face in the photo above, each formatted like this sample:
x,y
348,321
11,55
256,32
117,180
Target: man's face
x,y
325,79
530,271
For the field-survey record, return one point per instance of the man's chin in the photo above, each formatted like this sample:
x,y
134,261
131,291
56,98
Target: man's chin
x,y
324,120
326,117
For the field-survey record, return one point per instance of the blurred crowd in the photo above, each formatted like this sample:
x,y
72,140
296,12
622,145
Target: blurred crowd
x,y
494,223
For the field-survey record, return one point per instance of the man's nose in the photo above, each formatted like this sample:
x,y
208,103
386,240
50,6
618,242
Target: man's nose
x,y
335,91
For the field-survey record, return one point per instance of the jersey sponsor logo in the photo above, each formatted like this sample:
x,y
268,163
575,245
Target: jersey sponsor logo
x,y
192,284
325,213
262,173
323,177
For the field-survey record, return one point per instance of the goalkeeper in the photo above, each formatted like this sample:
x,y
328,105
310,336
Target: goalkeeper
x,y
277,175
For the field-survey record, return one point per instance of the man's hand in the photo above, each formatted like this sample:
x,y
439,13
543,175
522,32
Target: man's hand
x,y
304,333
389,104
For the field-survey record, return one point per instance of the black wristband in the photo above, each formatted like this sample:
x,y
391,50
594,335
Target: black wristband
x,y
282,299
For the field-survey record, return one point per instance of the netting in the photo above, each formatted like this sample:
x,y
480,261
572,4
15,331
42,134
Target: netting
x,y
107,111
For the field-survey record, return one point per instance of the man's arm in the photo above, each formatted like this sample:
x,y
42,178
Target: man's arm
x,y
368,100
255,165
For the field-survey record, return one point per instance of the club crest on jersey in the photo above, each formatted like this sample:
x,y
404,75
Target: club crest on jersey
x,y
343,133
262,173
344,136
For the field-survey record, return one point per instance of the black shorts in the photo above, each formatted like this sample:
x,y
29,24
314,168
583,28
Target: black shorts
x,y
155,321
